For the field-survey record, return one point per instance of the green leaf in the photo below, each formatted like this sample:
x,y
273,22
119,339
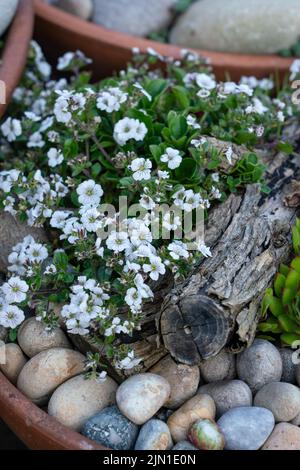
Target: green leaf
x,y
279,284
177,125
13,334
104,274
156,87
182,96
285,147
186,170
96,169
289,338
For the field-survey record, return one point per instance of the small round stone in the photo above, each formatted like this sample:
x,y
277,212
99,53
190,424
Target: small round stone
x,y
246,427
142,395
154,435
288,367
3,333
184,445
34,338
206,435
219,367
198,407
78,399
283,399
183,379
285,436
47,370
297,373
259,364
111,429
228,394
12,361
81,8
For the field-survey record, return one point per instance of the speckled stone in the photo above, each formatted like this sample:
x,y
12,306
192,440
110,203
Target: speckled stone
x,y
141,396
260,364
183,379
247,26
154,435
288,368
285,436
246,427
283,399
111,429
13,361
3,333
219,367
228,394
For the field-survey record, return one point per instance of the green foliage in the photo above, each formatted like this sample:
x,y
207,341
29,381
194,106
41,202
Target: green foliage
x,y
280,307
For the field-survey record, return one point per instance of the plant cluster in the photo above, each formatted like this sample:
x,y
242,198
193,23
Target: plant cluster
x,y
69,147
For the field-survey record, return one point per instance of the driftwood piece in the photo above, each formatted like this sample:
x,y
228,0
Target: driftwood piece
x,y
12,232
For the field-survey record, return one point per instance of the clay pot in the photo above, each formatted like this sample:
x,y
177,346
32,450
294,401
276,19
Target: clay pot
x,y
14,55
34,427
58,32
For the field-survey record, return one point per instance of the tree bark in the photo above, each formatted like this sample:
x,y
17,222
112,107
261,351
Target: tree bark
x,y
218,306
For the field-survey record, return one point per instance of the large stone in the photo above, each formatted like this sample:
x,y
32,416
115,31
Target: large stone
x,y
260,364
183,379
246,427
78,399
142,395
8,9
219,367
288,366
81,8
283,399
12,361
198,407
206,435
137,17
249,26
3,333
111,429
12,231
284,437
228,394
47,370
154,435
33,337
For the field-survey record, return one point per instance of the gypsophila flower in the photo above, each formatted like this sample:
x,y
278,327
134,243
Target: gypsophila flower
x,y
129,128
11,129
155,268
11,317
118,241
14,290
192,122
141,169
172,157
89,193
55,157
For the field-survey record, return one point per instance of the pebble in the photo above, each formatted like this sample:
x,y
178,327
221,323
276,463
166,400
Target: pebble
x,y
219,367
259,364
34,338
228,394
12,361
246,427
184,445
288,367
136,17
252,26
206,435
142,395
283,399
78,399
198,407
296,420
3,333
154,435
297,373
81,8
111,429
8,9
47,370
285,436
183,379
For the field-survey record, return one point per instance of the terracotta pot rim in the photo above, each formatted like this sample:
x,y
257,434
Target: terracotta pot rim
x,y
15,51
35,427
124,41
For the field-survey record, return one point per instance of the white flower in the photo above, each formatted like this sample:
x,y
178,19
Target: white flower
x,y
55,157
36,141
89,193
14,290
61,111
205,81
118,241
205,250
128,128
11,317
280,116
228,154
171,221
141,169
51,269
163,175
58,219
203,93
257,107
295,69
215,193
11,129
37,253
32,116
147,202
144,92
144,291
215,177
99,249
128,362
178,250
101,377
155,268
90,220
192,122
172,157
65,60
111,99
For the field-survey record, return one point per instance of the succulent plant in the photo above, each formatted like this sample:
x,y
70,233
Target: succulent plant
x,y
281,304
